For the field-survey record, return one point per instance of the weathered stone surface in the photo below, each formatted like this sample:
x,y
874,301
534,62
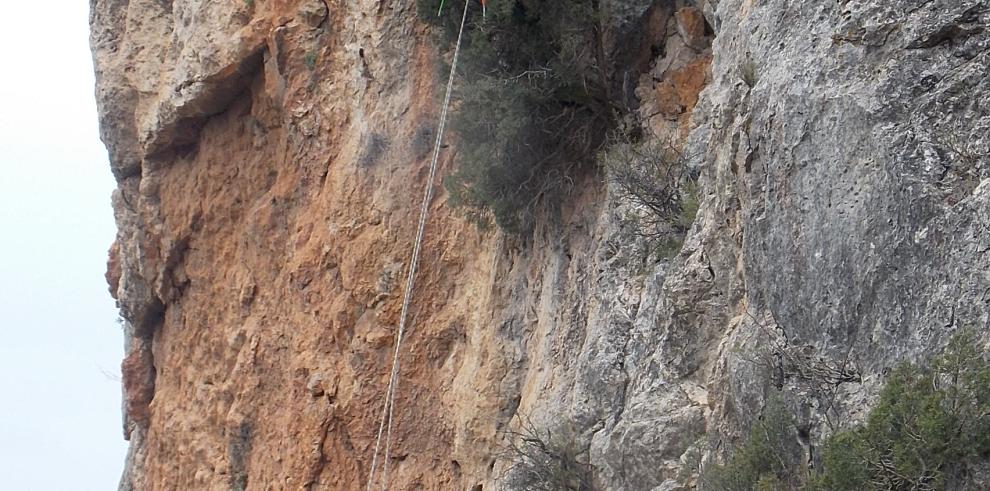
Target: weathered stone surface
x,y
827,140
269,160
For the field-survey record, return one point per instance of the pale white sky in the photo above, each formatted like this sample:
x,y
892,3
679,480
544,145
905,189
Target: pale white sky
x,y
60,347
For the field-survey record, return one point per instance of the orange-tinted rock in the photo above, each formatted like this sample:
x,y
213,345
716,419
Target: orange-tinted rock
x,y
269,257
691,27
676,95
138,377
692,79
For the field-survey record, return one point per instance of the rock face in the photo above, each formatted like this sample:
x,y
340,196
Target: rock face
x,y
270,156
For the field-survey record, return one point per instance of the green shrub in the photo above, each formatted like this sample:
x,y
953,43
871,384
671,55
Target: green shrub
x,y
653,177
929,426
548,460
843,456
532,102
768,459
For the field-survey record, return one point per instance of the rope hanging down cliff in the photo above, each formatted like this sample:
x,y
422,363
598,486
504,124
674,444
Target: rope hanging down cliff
x,y
393,382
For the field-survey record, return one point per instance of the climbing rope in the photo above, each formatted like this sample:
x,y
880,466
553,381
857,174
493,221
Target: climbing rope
x,y
393,382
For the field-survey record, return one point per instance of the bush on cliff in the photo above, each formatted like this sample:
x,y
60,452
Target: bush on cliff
x,y
929,428
767,459
548,460
931,425
532,102
653,177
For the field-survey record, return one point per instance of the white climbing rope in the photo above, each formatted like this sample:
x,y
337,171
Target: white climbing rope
x,y
393,382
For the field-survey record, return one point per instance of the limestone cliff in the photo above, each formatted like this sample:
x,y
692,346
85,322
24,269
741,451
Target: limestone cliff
x,y
270,155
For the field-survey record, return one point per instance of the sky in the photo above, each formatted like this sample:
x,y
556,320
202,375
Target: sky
x,y
60,344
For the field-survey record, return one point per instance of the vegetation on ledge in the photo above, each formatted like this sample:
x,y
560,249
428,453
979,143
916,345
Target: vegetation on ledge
x,y
532,106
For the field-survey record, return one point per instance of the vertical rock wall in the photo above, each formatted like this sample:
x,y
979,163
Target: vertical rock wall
x,y
270,156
